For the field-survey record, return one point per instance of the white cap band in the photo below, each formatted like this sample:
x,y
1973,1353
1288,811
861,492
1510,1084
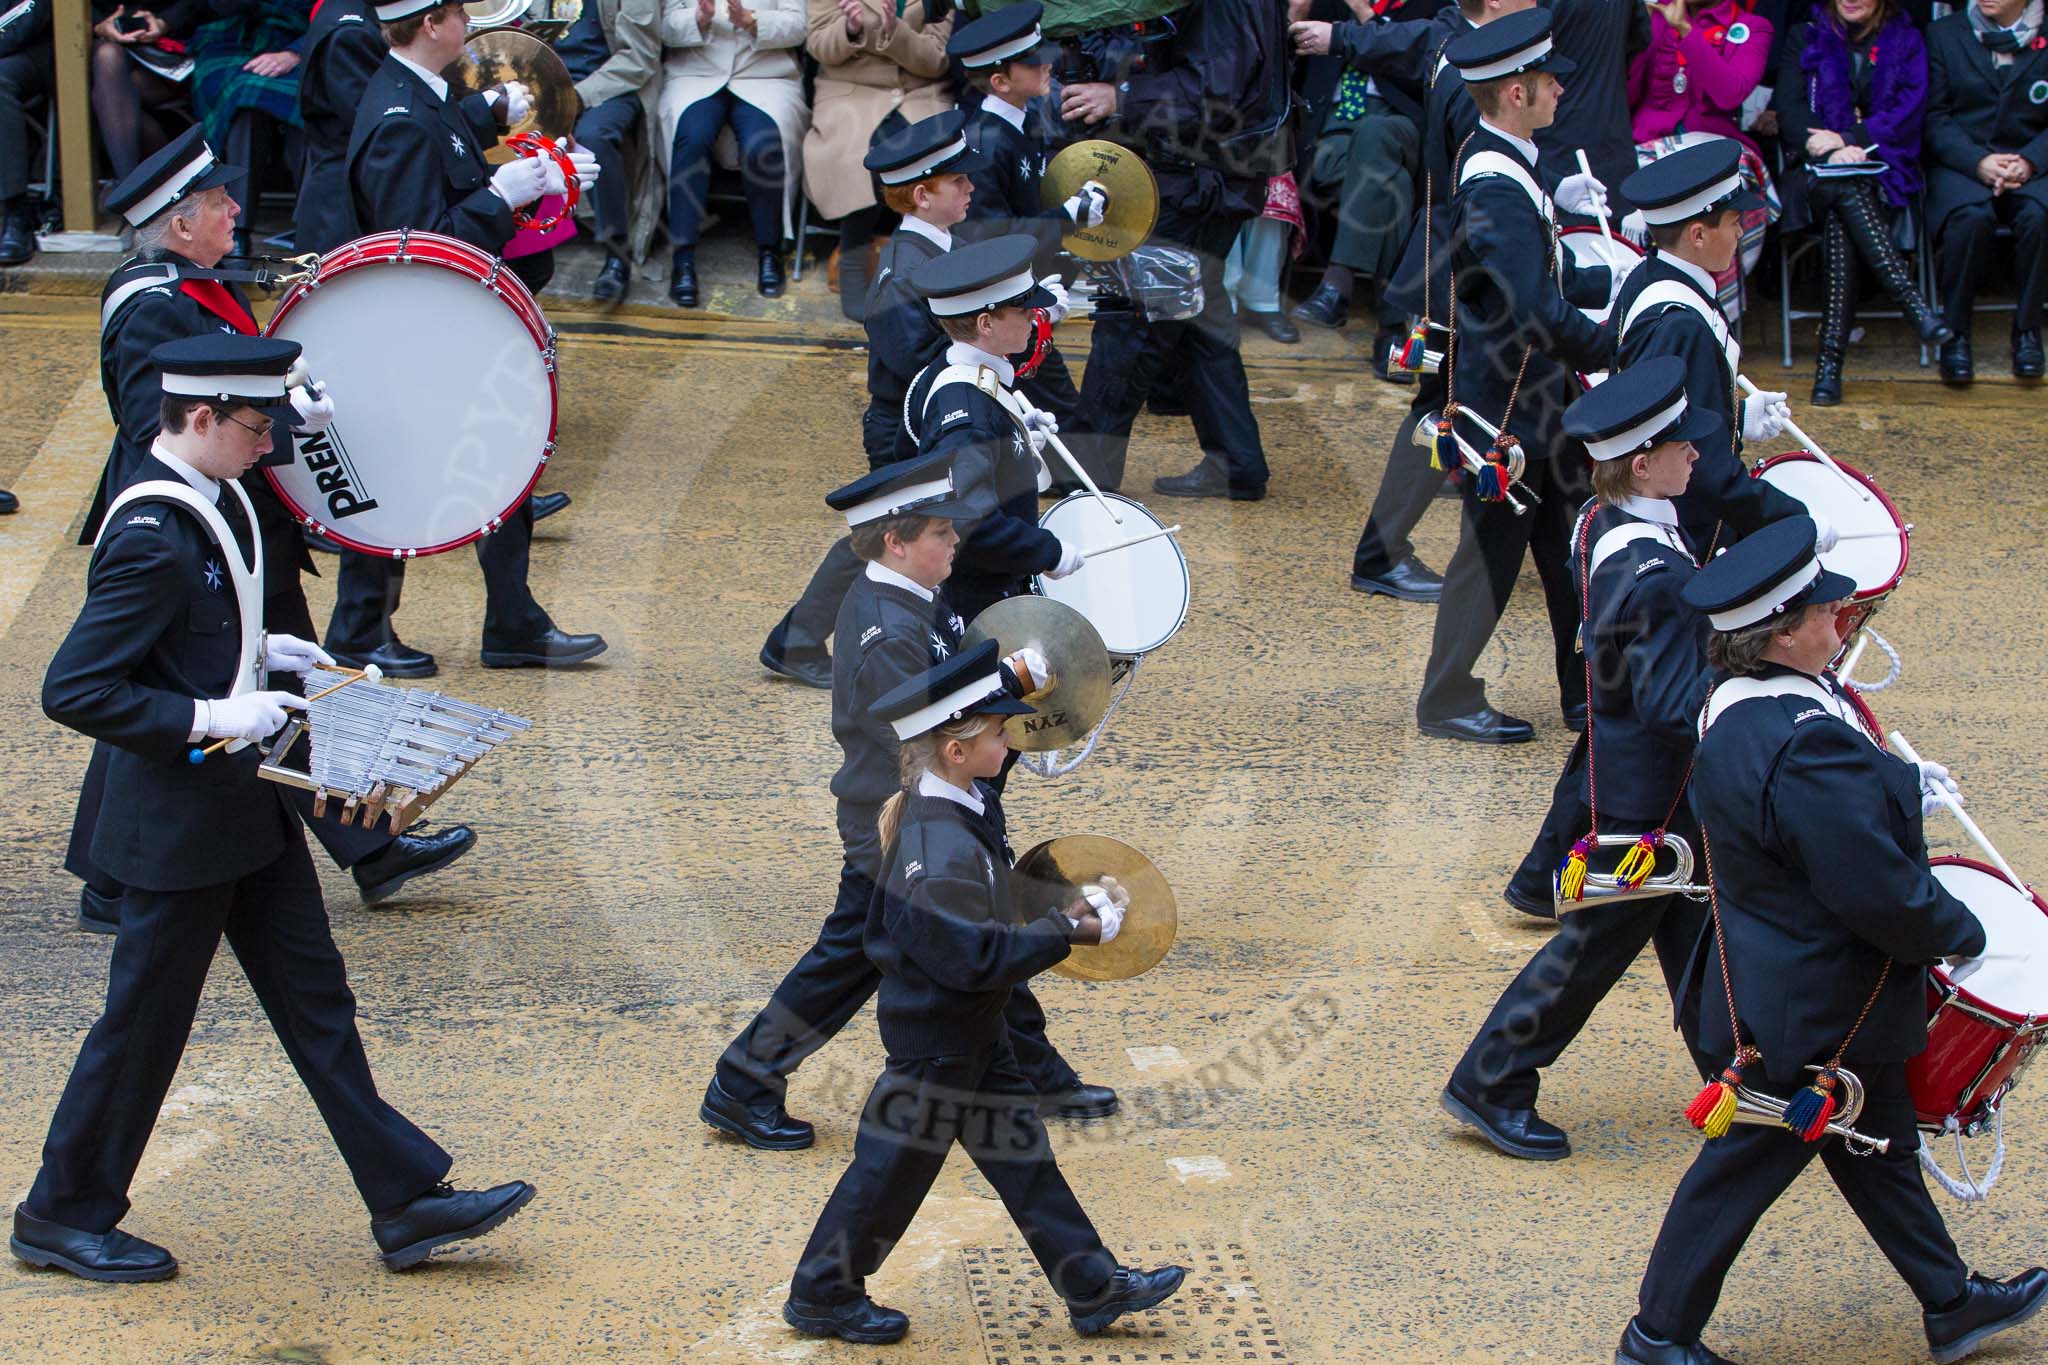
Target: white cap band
x,y
1692,206
1630,441
948,707
1768,601
988,296
898,500
254,387
172,190
903,175
1508,66
404,9
1002,52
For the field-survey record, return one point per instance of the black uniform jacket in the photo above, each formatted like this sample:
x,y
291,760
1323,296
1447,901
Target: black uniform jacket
x,y
158,630
902,340
1646,655
1511,301
945,935
1975,109
1006,191
1821,871
1399,53
415,161
1721,488
1449,118
888,635
28,29
164,310
1593,113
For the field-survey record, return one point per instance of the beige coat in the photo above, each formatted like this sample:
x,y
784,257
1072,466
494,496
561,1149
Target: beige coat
x,y
859,82
633,28
762,70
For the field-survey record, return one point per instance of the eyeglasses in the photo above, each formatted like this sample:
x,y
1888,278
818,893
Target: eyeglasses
x,y
261,431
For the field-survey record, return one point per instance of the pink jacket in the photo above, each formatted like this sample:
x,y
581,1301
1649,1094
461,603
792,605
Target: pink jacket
x,y
1722,55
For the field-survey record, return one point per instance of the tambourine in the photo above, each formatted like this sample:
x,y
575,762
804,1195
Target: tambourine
x,y
533,144
1041,342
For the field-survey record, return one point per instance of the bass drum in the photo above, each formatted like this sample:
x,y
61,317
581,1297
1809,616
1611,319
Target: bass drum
x,y
442,370
1137,597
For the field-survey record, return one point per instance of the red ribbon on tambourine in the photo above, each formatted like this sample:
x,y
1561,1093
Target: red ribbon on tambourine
x,y
533,144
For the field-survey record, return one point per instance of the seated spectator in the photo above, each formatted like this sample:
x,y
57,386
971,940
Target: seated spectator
x,y
1851,97
1252,270
1704,61
136,106
1987,145
245,86
729,65
613,53
876,71
25,76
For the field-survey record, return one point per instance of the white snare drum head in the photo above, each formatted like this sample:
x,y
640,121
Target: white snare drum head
x,y
1136,598
1875,563
2013,973
1618,254
443,402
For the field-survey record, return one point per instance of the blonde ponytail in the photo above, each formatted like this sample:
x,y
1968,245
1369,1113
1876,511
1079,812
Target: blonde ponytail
x,y
914,760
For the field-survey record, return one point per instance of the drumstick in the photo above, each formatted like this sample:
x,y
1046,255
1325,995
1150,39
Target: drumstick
x,y
1955,808
1891,533
1848,668
1052,439
1134,540
1587,167
1812,447
372,673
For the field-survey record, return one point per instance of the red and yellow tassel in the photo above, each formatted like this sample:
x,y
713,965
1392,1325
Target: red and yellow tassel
x,y
1493,478
1808,1112
1640,861
1713,1109
1571,874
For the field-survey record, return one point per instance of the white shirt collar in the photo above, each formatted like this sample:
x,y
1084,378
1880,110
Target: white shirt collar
x,y
930,784
961,353
913,223
1694,273
433,82
1521,144
1657,511
1004,110
879,572
204,485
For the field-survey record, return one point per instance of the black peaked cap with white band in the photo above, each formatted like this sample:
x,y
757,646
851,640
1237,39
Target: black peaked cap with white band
x,y
1010,34
969,683
231,370
1763,575
930,146
1690,183
922,485
405,9
1507,46
186,165
994,273
1637,408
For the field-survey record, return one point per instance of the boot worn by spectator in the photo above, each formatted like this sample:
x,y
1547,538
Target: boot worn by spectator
x,y
2026,356
612,281
682,285
412,854
1957,366
1327,307
1273,324
409,1234
17,232
768,279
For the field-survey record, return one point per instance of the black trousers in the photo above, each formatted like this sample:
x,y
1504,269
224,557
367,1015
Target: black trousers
x,y
1407,485
762,172
1491,544
274,921
1737,1177
1131,355
828,986
916,1112
1549,1002
367,589
1966,249
24,78
1382,173
607,131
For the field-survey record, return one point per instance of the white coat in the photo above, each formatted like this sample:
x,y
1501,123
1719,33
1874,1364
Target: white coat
x,y
762,70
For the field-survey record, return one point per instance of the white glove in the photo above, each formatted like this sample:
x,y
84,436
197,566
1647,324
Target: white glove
x,y
1764,415
1033,672
1825,536
1108,901
1088,204
1071,561
1935,782
314,407
253,716
518,101
1038,419
524,179
1061,304
290,654
586,167
1582,193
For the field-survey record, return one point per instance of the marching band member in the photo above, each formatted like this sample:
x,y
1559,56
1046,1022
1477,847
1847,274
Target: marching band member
x,y
415,161
1516,336
951,945
1644,661
150,669
178,203
1825,915
894,627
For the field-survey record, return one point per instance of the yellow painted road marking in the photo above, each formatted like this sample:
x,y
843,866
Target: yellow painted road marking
x,y
61,475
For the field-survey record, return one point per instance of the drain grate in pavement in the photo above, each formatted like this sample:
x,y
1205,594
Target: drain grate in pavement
x,y
1218,1315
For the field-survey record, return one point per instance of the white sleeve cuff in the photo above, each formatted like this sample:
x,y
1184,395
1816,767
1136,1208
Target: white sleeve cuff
x,y
200,717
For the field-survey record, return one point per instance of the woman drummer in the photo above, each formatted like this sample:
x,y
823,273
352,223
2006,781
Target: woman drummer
x,y
950,944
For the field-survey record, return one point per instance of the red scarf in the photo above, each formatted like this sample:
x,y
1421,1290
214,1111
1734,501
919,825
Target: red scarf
x,y
218,300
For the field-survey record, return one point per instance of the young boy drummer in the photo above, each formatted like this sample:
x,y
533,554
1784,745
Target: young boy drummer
x,y
892,626
1644,659
951,944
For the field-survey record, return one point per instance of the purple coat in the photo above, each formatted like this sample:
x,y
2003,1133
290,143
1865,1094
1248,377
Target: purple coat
x,y
1898,95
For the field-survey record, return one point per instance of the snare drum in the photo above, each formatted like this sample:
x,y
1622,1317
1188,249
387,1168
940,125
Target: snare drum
x,y
1137,597
1588,246
1875,561
442,369
1985,1017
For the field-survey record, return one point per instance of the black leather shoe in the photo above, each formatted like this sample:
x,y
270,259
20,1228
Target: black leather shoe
x,y
1205,480
682,284
554,649
612,281
8,502
1988,1308
1383,343
98,914
1274,325
17,235
1827,381
860,1320
768,277
1957,366
394,658
1933,331
1130,1291
546,505
2026,355
810,665
111,1256
1575,718
1640,1348
1530,900
412,854
1324,308
1518,1132
1484,726
768,1127
1083,1101
408,1235
1411,581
